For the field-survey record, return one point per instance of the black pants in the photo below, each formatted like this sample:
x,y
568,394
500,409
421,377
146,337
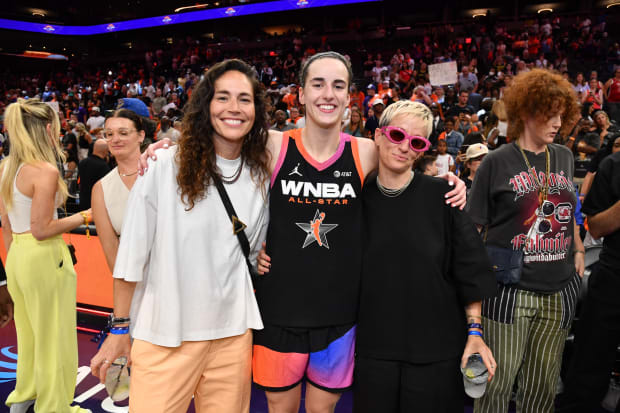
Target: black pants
x,y
596,341
398,387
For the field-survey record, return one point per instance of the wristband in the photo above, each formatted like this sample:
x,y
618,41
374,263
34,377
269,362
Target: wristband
x,y
119,330
115,321
475,333
475,325
118,322
579,252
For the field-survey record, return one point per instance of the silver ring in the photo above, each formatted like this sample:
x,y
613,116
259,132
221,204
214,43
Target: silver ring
x,y
106,361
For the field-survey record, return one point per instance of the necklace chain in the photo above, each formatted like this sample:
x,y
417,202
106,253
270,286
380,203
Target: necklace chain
x,y
233,178
133,173
542,189
393,193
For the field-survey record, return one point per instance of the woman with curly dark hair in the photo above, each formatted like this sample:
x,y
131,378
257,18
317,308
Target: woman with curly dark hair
x,y
523,200
185,292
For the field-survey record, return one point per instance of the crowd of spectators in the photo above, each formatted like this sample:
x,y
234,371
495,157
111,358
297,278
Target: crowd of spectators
x,y
488,55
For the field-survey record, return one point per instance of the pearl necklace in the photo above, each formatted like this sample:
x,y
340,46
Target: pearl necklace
x,y
393,193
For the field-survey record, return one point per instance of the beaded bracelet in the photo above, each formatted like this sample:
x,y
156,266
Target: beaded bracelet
x,y
475,333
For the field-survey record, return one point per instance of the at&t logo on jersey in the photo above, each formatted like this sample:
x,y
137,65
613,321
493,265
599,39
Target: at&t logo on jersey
x,y
338,174
317,193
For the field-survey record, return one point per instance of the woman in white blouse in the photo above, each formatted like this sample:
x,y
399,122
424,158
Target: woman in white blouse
x,y
124,133
180,275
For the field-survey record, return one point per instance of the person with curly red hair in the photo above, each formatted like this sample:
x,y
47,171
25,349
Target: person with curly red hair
x,y
523,200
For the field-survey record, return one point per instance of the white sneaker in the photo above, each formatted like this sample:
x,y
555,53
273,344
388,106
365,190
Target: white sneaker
x,y
21,407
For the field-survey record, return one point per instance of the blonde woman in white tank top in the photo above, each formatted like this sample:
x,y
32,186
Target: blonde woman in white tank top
x,y
124,133
40,274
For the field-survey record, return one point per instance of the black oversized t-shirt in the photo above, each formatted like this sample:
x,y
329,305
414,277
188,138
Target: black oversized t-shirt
x,y
505,196
423,262
605,192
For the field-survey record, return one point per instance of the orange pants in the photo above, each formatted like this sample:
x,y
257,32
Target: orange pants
x,y
216,372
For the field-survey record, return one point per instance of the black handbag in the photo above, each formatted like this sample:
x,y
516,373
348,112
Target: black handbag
x,y
238,228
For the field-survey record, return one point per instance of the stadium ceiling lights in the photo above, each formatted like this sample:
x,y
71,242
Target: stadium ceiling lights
x,y
189,17
195,6
37,12
545,8
477,13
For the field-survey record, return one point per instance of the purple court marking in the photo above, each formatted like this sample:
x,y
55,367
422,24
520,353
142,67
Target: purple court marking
x,y
219,13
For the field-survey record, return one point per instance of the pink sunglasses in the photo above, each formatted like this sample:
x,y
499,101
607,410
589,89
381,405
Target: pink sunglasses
x,y
397,135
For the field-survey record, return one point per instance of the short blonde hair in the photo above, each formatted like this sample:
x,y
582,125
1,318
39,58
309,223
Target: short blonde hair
x,y
407,107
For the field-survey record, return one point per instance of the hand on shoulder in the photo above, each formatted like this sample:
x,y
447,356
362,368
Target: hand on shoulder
x,y
149,153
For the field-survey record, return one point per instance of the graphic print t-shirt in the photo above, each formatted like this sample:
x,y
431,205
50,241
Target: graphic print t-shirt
x,y
505,195
314,237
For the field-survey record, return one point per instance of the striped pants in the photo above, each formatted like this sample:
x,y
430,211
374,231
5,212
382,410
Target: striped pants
x,y
526,333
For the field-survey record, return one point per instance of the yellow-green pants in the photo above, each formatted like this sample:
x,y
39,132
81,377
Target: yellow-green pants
x,y
42,283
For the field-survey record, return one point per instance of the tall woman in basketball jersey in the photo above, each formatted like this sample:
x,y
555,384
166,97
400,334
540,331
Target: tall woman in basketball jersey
x,y
40,274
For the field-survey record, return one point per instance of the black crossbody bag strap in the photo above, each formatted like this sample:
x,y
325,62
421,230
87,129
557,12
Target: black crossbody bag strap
x,y
238,227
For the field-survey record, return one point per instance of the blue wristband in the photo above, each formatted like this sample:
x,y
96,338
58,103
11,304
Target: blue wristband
x,y
475,325
475,333
119,330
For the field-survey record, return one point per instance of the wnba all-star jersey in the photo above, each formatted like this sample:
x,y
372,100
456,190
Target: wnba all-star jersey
x,y
314,237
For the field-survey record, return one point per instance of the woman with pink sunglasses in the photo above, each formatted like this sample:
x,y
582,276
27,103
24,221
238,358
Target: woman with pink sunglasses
x,y
425,272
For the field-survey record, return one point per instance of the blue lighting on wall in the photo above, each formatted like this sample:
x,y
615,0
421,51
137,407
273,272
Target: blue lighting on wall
x,y
222,12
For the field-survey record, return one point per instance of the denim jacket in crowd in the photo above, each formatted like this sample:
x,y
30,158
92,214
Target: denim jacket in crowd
x,y
454,140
